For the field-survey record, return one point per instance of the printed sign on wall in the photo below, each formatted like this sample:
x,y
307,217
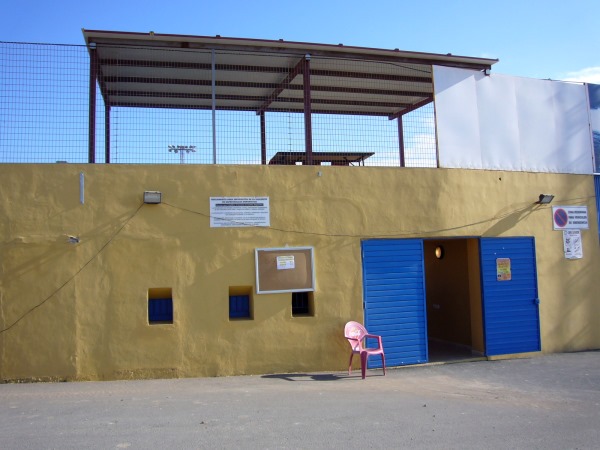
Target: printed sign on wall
x,y
570,217
286,262
239,212
572,244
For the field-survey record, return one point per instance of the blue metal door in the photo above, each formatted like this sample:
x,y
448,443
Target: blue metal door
x,y
394,299
510,295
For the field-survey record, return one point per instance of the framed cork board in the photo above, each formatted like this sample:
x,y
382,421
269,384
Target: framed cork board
x,y
288,269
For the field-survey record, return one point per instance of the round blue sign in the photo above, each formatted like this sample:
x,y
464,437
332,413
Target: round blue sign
x,y
561,218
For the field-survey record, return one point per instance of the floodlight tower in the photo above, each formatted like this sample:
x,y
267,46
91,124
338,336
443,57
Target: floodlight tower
x,y
182,150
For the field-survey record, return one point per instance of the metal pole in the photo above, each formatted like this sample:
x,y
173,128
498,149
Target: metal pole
x,y
307,111
92,104
214,107
401,141
81,188
107,133
263,139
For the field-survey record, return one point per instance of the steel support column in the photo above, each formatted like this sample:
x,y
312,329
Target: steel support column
x,y
401,141
307,111
92,104
107,133
214,103
263,139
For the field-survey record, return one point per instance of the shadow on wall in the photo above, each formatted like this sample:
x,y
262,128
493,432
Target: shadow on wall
x,y
508,220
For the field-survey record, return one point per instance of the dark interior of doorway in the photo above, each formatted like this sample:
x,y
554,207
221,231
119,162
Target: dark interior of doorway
x,y
453,297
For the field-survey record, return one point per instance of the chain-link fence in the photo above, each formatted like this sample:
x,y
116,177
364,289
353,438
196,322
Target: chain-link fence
x,y
202,107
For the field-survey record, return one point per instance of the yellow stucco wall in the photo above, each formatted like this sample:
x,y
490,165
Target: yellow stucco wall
x,y
81,309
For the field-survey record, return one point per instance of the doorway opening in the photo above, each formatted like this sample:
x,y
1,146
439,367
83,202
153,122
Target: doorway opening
x,y
453,299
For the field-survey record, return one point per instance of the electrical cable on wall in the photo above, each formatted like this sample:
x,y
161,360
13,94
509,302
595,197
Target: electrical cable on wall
x,y
74,275
365,236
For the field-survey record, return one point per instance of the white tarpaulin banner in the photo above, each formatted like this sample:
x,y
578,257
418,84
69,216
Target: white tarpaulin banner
x,y
500,122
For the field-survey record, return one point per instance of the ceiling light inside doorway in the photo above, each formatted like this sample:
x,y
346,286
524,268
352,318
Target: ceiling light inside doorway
x,y
439,252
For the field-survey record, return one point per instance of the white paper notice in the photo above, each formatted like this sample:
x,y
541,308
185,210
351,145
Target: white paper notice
x,y
285,262
239,212
572,244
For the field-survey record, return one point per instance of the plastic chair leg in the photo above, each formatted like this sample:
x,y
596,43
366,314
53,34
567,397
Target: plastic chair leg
x,y
363,364
350,364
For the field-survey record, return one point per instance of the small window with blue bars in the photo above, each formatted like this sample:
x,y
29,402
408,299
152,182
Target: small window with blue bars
x,y
240,302
160,306
160,310
239,306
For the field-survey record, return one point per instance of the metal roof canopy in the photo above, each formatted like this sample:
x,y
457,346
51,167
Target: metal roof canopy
x,y
178,71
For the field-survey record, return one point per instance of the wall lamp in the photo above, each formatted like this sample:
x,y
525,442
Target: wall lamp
x,y
152,197
545,199
439,252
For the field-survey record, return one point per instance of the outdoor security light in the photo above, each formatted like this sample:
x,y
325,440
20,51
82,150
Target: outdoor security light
x,y
152,197
545,199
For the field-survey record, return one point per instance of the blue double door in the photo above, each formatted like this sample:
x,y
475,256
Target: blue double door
x,y
395,297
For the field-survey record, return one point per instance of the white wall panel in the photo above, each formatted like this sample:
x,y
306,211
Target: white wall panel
x,y
536,122
457,104
500,122
496,101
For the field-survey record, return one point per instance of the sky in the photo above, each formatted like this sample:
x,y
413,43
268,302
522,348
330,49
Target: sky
x,y
548,39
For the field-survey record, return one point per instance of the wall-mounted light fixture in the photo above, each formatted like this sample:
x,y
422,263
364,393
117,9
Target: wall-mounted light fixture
x,y
439,252
545,199
152,197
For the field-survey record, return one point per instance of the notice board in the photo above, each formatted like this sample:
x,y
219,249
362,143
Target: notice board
x,y
287,269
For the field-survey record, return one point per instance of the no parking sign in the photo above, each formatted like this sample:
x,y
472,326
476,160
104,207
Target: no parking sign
x,y
570,217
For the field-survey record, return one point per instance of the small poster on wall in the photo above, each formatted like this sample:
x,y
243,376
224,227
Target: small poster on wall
x,y
503,272
285,262
572,244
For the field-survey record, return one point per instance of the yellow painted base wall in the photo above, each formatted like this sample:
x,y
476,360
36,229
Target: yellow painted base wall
x,y
78,311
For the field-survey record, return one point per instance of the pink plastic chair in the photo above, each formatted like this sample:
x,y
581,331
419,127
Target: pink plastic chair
x,y
356,334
